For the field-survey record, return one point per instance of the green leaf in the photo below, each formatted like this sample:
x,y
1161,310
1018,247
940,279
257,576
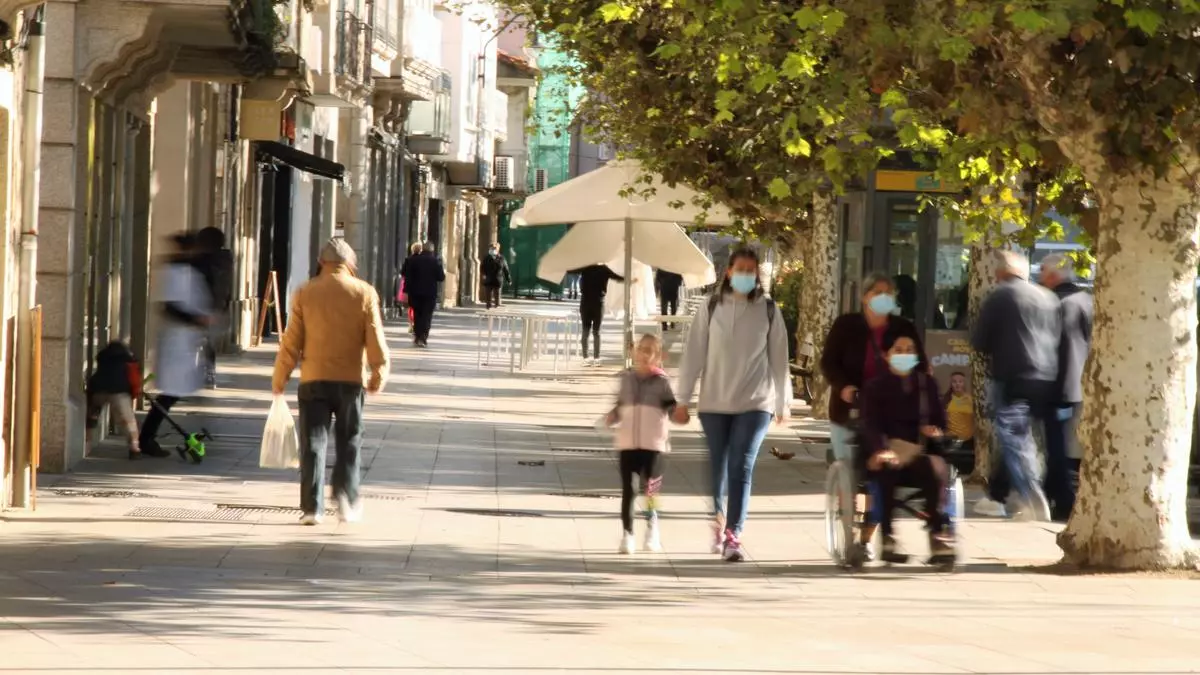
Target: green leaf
x,y
1146,20
763,79
798,147
956,49
726,98
834,21
797,65
616,11
723,116
779,189
668,50
893,98
1027,152
806,18
1029,20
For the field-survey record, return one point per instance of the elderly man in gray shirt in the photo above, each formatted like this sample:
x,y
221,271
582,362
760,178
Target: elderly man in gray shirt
x,y
1018,330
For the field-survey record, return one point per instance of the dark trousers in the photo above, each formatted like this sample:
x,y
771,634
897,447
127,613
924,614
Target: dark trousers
x,y
491,295
648,466
670,306
325,405
422,306
592,315
1060,468
154,420
927,473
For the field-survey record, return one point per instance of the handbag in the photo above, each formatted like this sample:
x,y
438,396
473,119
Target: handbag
x,y
907,451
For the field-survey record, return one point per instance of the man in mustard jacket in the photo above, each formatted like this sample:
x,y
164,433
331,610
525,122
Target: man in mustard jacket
x,y
335,333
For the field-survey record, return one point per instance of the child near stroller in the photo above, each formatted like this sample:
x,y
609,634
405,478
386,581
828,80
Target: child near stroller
x,y
115,382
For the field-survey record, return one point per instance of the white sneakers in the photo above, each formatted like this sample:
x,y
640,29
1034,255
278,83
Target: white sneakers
x,y
1038,510
627,545
349,513
652,543
591,363
989,507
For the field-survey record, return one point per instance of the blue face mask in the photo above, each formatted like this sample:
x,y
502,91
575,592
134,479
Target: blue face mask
x,y
743,282
882,304
903,363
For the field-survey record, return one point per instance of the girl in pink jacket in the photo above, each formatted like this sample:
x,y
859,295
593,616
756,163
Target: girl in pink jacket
x,y
642,416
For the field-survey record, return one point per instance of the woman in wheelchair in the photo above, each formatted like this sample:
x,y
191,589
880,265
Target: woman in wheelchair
x,y
902,426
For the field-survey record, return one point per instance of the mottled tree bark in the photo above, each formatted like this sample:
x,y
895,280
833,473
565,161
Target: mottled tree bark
x,y
984,263
1140,382
819,252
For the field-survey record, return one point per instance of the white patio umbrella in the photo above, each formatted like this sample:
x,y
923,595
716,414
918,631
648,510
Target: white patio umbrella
x,y
661,246
596,197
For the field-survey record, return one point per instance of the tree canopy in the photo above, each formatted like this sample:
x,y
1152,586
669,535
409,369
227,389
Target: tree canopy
x,y
761,103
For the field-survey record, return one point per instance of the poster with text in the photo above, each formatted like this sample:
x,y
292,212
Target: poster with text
x,y
949,353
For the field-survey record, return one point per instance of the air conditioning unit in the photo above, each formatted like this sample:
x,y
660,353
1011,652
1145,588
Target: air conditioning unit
x,y
541,180
502,174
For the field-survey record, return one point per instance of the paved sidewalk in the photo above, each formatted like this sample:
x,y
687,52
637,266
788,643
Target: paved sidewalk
x,y
489,548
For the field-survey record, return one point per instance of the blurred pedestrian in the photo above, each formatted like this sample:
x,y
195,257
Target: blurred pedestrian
x,y
422,273
1018,330
494,270
186,316
593,290
668,285
1076,309
334,323
402,291
215,264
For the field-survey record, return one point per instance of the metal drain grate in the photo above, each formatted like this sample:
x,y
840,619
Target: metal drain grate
x,y
248,509
100,494
590,451
583,495
167,513
497,513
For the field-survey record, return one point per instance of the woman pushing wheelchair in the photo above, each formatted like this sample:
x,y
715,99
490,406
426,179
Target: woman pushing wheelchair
x,y
901,435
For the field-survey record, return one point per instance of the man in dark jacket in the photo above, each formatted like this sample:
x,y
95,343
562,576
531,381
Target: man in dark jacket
x,y
215,264
1076,310
422,273
495,274
1018,330
593,289
668,284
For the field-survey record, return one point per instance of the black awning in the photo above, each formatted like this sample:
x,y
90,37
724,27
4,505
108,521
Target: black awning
x,y
298,159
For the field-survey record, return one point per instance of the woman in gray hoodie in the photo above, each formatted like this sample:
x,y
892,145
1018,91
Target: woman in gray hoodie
x,y
738,351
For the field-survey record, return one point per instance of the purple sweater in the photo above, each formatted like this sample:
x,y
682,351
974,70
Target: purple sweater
x,y
891,408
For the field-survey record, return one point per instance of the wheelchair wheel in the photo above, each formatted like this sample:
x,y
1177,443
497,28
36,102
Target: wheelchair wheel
x,y
840,516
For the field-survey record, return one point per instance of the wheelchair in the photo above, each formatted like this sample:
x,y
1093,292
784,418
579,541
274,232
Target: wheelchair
x,y
846,491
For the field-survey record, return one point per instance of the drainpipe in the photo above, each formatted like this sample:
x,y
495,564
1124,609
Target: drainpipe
x,y
31,143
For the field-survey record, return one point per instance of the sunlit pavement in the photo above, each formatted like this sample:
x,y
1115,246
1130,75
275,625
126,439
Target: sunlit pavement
x,y
489,547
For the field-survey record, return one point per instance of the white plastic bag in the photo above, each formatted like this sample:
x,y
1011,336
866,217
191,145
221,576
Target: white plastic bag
x,y
280,445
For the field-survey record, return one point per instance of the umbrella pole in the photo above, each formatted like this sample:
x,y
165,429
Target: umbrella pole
x,y
628,332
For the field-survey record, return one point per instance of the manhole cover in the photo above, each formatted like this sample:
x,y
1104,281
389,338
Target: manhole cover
x,y
100,494
496,513
583,495
167,513
590,451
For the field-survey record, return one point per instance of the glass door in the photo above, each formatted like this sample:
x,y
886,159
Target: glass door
x,y
902,221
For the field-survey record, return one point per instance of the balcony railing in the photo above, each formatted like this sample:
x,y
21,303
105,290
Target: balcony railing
x,y
386,24
353,47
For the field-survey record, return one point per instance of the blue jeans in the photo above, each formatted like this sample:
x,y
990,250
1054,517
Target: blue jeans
x,y
326,405
733,444
1013,421
843,440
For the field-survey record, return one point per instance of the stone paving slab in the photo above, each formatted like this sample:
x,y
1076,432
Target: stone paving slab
x,y
472,562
